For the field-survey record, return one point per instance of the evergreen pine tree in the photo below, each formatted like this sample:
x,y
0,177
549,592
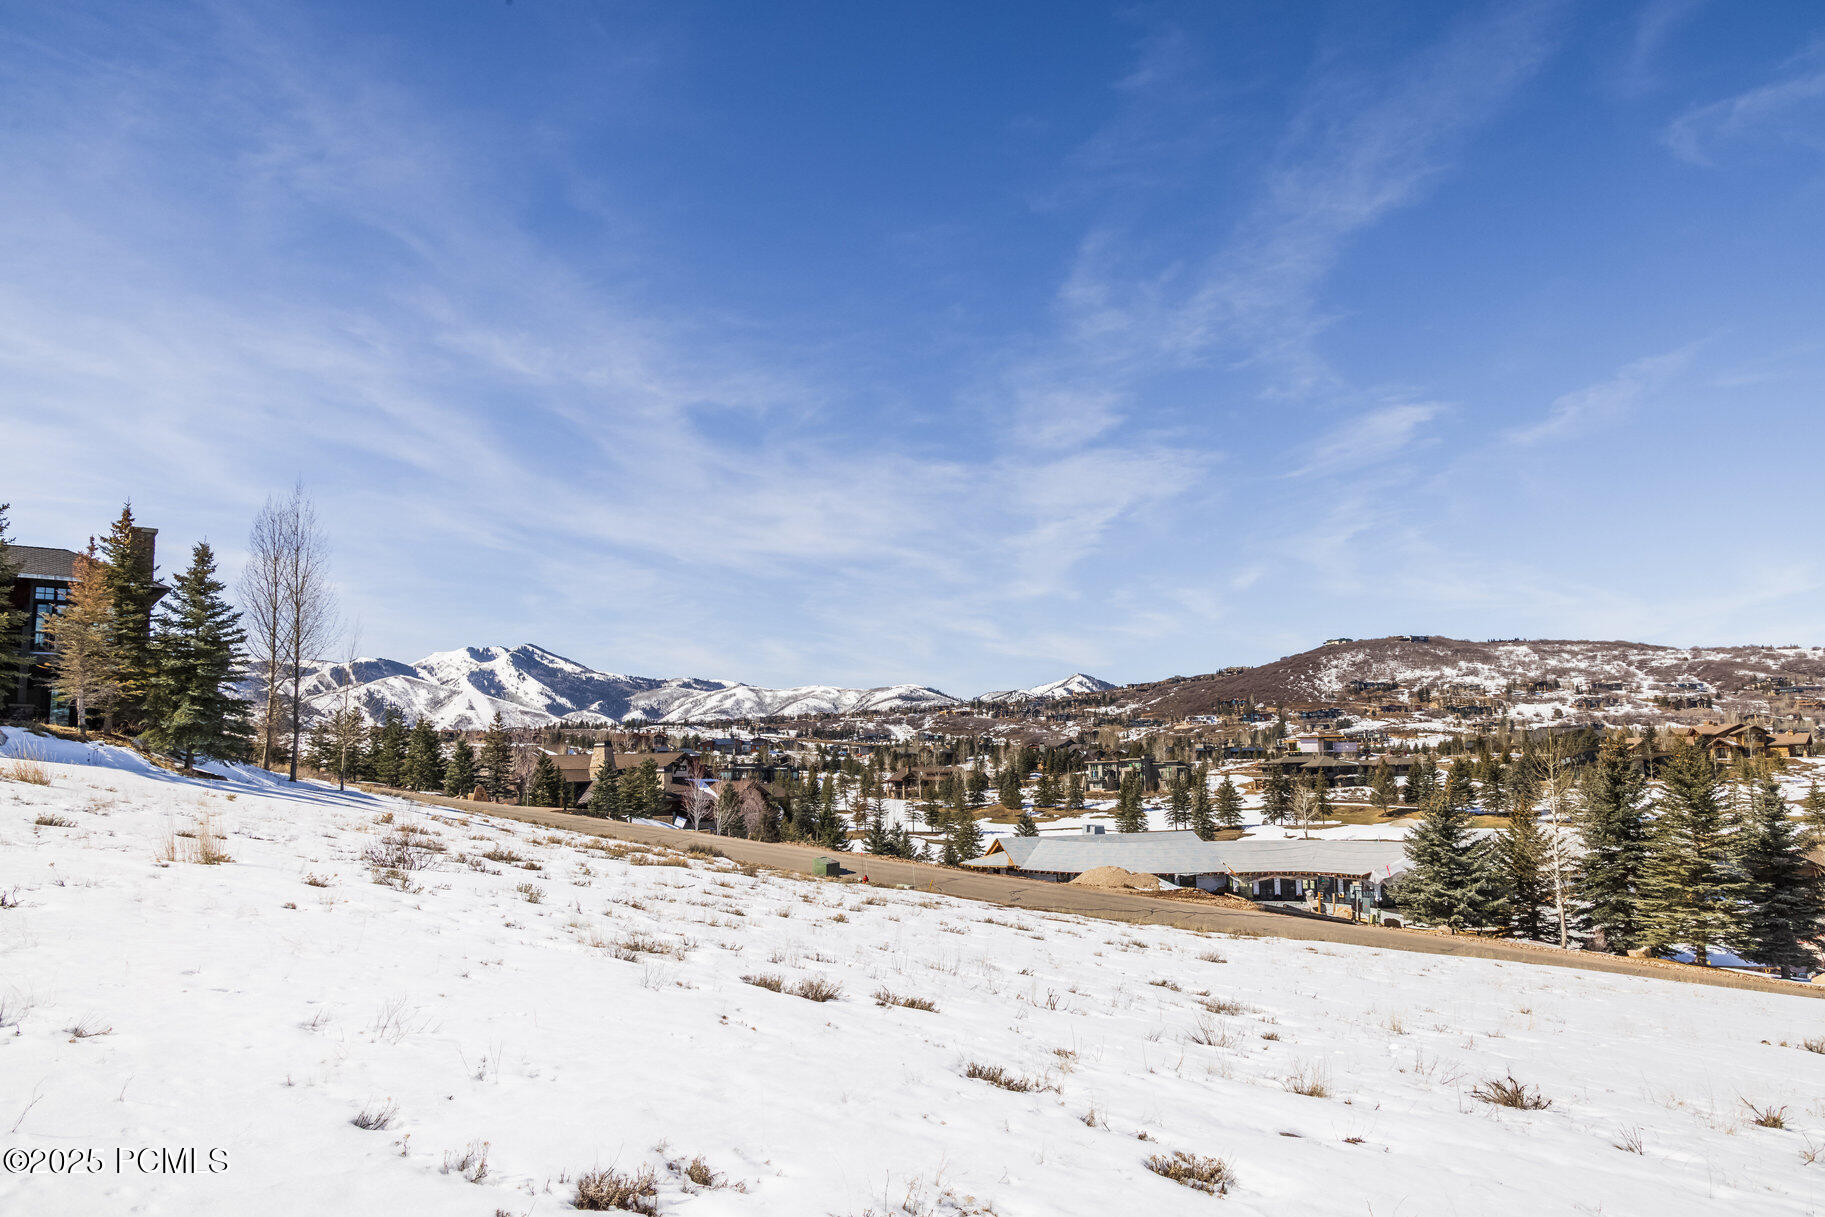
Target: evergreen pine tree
x,y
1074,792
190,701
1009,793
128,575
1277,797
651,788
1384,793
320,746
496,760
1521,855
1784,921
1130,809
1045,790
1692,890
977,787
1460,792
1178,801
387,748
877,840
1812,816
964,839
459,774
829,830
542,790
424,764
1608,877
1025,827
604,790
1451,882
1421,777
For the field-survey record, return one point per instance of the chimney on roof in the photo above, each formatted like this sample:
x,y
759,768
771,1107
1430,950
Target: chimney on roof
x,y
145,545
599,754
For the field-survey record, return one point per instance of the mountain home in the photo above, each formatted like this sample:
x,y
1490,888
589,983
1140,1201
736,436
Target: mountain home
x,y
1339,878
40,590
1726,742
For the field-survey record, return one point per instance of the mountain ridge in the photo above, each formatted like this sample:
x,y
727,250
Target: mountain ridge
x,y
530,686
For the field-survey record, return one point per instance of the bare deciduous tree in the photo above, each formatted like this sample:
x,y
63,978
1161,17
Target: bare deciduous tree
x,y
697,802
1553,770
262,596
290,608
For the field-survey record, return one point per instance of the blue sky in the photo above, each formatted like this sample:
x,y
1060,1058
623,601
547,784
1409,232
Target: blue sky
x,y
951,343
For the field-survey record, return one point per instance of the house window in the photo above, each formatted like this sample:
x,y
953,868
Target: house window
x,y
47,602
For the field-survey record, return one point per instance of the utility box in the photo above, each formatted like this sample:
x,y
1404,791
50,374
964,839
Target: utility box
x,y
825,868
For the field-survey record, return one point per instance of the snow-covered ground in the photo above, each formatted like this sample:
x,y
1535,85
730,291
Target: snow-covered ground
x,y
557,1005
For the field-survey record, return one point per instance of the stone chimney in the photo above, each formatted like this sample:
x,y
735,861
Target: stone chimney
x,y
598,754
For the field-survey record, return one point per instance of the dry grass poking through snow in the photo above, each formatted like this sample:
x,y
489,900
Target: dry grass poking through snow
x,y
607,1191
1210,1175
1506,1092
28,770
887,997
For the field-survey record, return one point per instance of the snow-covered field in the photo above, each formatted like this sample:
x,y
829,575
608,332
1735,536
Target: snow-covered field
x,y
556,1005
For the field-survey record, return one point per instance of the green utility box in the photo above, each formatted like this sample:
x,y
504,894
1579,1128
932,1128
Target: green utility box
x,y
825,868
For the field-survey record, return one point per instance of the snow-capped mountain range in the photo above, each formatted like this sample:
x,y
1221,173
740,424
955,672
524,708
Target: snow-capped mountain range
x,y
1071,686
530,686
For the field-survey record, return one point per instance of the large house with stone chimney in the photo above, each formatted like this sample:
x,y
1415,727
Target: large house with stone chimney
x,y
39,591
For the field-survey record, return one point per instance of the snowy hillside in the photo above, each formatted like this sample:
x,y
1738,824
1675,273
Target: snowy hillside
x,y
1071,686
530,686
1635,672
373,1007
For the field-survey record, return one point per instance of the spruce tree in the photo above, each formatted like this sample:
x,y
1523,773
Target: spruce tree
x,y
830,831
1229,804
496,760
1074,792
1130,808
424,764
190,702
1608,878
1277,797
605,790
1384,794
130,580
1693,891
542,790
1460,792
1045,791
878,840
349,732
1812,816
1422,776
1784,918
1451,880
459,774
651,788
387,748
1025,827
965,838
1178,801
1009,793
978,787
1521,855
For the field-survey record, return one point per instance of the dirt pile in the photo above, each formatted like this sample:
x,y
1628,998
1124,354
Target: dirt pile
x,y
1114,878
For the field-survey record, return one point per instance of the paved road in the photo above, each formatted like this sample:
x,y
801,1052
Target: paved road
x,y
1045,897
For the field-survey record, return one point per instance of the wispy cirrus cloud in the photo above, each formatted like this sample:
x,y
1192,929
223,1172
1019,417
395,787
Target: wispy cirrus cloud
x,y
1606,401
1789,110
1369,438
